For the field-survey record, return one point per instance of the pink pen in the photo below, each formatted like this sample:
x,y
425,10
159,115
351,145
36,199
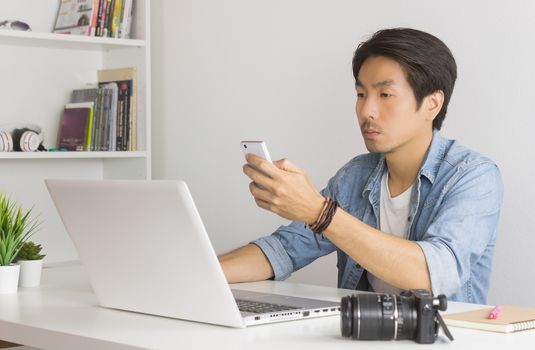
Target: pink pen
x,y
495,313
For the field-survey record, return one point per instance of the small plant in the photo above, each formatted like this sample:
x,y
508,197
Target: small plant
x,y
15,228
30,251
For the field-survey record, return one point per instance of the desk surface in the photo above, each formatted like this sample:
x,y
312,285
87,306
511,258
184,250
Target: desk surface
x,y
63,314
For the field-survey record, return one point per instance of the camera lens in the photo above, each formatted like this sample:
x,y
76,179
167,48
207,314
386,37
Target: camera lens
x,y
378,317
245,146
346,315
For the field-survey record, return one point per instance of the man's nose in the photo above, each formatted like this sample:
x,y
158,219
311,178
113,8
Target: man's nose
x,y
368,108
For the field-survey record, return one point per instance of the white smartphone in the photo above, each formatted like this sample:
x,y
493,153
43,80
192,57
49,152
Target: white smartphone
x,y
258,148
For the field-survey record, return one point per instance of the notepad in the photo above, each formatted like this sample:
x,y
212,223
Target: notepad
x,y
511,319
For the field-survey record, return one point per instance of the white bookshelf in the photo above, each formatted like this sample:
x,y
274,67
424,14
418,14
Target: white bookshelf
x,y
62,41
71,155
39,70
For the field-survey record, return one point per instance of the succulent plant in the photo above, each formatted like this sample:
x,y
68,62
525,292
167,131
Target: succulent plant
x,y
15,228
30,251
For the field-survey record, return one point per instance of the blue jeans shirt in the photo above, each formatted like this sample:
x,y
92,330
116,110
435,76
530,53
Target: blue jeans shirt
x,y
455,207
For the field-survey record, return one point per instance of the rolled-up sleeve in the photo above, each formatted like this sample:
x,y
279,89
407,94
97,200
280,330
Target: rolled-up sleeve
x,y
276,254
465,224
292,247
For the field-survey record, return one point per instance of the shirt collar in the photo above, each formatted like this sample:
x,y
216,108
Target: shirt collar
x,y
434,157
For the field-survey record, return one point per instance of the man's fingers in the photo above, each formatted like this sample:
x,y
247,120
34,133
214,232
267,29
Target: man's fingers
x,y
286,165
266,205
261,164
259,192
257,176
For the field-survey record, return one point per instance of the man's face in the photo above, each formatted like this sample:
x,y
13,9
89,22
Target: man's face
x,y
386,107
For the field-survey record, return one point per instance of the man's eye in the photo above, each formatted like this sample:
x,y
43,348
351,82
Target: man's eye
x,y
384,94
360,94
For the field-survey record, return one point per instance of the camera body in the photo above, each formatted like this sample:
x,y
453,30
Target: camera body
x,y
426,327
411,315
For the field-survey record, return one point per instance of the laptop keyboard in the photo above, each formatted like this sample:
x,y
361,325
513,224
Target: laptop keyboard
x,y
261,308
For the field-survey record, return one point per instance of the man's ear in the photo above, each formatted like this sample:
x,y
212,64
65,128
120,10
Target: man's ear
x,y
433,103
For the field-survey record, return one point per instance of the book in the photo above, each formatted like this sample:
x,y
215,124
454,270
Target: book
x,y
103,137
89,95
75,130
74,17
104,6
123,103
126,125
116,18
511,319
126,19
111,140
99,18
99,121
107,23
92,30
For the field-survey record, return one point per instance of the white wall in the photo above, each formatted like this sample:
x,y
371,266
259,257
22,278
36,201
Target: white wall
x,y
280,71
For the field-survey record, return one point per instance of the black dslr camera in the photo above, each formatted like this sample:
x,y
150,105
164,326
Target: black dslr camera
x,y
411,315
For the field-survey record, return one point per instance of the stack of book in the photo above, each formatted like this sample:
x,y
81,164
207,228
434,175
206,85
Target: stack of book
x,y
108,18
104,117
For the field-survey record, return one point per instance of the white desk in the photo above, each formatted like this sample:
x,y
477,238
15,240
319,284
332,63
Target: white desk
x,y
63,314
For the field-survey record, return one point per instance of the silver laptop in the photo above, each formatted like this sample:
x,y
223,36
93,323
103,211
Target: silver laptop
x,y
145,249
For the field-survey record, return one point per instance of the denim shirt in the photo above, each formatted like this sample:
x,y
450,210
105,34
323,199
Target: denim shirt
x,y
455,207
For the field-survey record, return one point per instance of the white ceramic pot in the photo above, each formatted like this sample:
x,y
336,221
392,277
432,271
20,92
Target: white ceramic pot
x,y
9,278
30,272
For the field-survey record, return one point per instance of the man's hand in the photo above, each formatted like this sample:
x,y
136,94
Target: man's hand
x,y
283,189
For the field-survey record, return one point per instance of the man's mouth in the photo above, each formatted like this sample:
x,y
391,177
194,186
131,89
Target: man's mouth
x,y
370,133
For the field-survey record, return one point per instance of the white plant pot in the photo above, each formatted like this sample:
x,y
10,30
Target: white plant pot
x,y
30,272
9,278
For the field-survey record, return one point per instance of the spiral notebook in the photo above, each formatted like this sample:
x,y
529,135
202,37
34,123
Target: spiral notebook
x,y
511,319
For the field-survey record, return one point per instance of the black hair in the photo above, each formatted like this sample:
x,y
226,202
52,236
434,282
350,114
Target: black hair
x,y
428,63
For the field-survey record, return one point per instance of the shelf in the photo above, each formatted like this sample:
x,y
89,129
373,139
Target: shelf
x,y
71,155
65,41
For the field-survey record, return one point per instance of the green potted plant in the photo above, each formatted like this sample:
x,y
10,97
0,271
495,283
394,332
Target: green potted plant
x,y
31,264
16,227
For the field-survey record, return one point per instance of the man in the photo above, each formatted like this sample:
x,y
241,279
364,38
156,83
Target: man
x,y
418,211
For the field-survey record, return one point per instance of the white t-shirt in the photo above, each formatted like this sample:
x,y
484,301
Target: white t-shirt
x,y
393,217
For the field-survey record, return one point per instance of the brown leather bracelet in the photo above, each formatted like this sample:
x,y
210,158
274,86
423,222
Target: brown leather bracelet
x,y
324,219
327,217
315,224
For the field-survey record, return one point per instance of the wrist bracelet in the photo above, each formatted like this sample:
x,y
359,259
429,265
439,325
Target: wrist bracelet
x,y
324,219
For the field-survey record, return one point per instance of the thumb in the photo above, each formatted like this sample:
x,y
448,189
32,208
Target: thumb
x,y
286,165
